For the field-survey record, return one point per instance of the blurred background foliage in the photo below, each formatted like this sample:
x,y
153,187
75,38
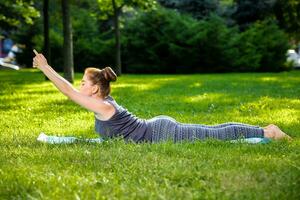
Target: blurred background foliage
x,y
171,36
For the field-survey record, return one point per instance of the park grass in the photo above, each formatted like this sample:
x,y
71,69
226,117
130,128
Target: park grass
x,y
117,170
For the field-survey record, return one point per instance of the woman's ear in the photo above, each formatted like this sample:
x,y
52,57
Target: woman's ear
x,y
95,89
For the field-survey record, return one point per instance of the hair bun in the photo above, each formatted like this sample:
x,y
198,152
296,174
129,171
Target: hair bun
x,y
109,74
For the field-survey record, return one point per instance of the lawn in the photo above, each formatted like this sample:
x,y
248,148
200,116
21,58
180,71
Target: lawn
x,y
116,170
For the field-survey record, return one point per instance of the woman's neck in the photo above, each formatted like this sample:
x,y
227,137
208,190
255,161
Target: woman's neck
x,y
97,96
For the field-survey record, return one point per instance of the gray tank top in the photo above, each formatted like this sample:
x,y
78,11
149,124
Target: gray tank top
x,y
123,124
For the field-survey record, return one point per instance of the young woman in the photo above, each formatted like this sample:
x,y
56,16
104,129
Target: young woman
x,y
112,120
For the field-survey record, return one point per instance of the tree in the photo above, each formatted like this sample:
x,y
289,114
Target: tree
x,y
46,32
249,11
116,14
68,62
197,8
287,13
114,8
46,50
15,12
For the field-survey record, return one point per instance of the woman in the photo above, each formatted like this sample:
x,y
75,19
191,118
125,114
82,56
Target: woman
x,y
112,120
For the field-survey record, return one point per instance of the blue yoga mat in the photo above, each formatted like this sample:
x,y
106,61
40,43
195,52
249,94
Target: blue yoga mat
x,y
67,140
64,140
253,140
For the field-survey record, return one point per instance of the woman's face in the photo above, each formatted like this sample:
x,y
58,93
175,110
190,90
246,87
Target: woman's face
x,y
86,86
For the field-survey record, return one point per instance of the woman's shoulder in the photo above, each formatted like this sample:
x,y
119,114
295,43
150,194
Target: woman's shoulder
x,y
115,108
105,117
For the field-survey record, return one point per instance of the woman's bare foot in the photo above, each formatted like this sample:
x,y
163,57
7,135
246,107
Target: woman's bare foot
x,y
273,132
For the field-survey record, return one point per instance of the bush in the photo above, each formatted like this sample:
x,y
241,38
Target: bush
x,y
270,43
94,51
164,41
153,42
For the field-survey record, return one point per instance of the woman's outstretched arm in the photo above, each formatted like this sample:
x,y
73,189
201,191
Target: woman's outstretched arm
x,y
62,84
67,88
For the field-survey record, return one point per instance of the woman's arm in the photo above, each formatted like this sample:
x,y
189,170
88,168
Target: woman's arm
x,y
68,90
61,84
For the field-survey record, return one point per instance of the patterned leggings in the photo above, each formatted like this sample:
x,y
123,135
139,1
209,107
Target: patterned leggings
x,y
167,128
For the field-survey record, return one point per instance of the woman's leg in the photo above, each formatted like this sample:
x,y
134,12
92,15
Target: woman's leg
x,y
208,126
228,132
165,127
220,125
232,132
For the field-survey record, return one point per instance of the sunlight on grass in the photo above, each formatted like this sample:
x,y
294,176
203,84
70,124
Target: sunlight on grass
x,y
205,96
283,111
37,86
196,85
286,116
267,79
138,87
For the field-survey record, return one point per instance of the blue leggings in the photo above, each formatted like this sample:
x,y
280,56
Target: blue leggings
x,y
167,128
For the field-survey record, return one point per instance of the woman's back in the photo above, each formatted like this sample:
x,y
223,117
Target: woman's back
x,y
124,124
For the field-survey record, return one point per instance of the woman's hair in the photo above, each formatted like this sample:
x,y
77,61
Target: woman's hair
x,y
101,77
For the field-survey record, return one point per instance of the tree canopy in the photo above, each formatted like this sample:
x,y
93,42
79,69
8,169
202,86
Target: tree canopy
x,y
15,12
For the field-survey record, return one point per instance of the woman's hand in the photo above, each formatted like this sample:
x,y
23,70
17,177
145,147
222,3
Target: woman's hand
x,y
39,60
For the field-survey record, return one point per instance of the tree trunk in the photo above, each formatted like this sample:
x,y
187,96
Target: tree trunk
x,y
118,67
68,42
46,50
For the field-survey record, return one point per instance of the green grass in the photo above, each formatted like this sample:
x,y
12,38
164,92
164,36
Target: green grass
x,y
114,170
